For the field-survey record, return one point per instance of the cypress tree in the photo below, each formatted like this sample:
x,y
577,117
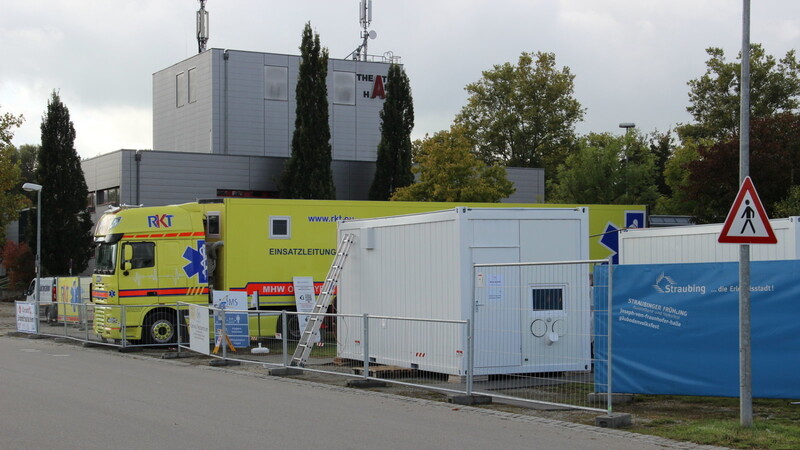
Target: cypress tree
x,y
393,167
307,174
66,224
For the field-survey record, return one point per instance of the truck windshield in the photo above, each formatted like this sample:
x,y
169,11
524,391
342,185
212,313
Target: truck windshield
x,y
106,259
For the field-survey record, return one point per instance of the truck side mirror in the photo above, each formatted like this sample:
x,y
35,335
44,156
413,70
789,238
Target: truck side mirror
x,y
127,256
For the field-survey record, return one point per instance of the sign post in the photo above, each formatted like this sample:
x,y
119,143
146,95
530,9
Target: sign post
x,y
747,223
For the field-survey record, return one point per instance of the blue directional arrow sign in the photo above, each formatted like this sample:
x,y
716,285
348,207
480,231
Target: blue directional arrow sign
x,y
610,240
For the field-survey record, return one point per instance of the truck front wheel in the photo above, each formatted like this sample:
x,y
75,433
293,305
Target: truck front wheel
x,y
160,328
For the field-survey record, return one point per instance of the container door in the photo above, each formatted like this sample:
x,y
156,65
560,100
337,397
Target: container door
x,y
497,337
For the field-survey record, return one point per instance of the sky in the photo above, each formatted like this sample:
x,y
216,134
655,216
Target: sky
x,y
631,59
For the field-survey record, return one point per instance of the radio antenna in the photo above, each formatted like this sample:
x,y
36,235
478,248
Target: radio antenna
x,y
365,18
202,27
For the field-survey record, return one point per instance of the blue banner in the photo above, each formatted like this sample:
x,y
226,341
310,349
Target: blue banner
x,y
676,329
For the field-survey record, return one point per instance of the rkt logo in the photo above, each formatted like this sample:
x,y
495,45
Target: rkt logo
x,y
160,221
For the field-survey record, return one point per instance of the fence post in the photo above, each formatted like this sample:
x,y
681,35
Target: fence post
x,y
223,336
178,327
366,346
284,328
86,319
610,324
470,352
123,339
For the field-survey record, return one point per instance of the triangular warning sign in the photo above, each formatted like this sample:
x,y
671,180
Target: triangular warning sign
x,y
747,221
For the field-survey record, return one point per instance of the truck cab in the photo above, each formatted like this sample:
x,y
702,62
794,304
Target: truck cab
x,y
147,259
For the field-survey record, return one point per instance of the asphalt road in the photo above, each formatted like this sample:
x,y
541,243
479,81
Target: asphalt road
x,y
59,395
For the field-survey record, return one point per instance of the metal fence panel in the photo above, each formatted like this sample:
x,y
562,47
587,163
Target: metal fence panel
x,y
534,332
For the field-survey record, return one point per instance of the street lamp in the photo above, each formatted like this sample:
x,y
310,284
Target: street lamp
x,y
30,187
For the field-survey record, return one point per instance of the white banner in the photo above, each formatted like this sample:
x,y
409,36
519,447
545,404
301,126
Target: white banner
x,y
199,331
26,317
305,302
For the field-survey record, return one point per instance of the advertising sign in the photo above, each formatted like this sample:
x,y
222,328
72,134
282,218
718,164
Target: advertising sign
x,y
236,324
26,317
198,329
675,329
305,302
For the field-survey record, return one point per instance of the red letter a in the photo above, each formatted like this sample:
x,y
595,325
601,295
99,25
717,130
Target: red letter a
x,y
377,88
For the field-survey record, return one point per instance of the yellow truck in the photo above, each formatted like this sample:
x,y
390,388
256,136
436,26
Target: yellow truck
x,y
147,259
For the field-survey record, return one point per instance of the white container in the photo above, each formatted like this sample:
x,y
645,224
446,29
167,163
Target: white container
x,y
421,266
698,243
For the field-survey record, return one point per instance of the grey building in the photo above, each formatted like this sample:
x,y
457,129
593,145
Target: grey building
x,y
231,102
222,127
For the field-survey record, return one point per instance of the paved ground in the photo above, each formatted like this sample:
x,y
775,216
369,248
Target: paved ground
x,y
87,398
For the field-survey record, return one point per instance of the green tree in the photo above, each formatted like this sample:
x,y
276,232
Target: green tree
x,y
714,97
449,172
676,177
11,201
393,167
662,147
713,177
789,206
307,173
523,115
26,159
608,169
66,224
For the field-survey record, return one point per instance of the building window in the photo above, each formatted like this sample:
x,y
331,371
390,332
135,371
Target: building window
x,y
107,196
180,89
548,298
192,73
276,83
344,88
280,227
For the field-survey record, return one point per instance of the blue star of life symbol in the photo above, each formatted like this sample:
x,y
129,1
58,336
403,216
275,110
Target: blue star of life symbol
x,y
197,262
111,294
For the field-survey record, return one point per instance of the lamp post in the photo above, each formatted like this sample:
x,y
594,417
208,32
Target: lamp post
x,y
30,187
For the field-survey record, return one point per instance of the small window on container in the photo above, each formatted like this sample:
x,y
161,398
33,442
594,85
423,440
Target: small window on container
x,y
213,224
547,298
280,227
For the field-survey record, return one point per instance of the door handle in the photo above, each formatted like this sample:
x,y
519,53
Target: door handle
x,y
152,293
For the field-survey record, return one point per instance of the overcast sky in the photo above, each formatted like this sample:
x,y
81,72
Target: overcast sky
x,y
631,58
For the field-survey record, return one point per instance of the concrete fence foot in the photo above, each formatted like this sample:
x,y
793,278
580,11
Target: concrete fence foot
x,y
474,399
285,371
363,384
613,420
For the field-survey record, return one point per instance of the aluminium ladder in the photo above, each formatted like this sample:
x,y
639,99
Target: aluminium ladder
x,y
324,298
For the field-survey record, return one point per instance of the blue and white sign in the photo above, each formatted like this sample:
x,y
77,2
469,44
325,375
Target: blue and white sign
x,y
236,324
675,329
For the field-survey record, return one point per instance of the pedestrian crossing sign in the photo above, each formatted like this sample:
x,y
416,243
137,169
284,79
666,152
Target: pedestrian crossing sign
x,y
747,221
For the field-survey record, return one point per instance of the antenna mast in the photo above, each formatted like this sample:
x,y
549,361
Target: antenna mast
x,y
365,15
202,27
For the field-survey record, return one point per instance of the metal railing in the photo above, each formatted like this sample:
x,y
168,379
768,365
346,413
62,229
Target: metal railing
x,y
535,333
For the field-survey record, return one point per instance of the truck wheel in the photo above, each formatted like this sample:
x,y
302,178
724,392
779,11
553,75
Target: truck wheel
x,y
160,328
293,326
